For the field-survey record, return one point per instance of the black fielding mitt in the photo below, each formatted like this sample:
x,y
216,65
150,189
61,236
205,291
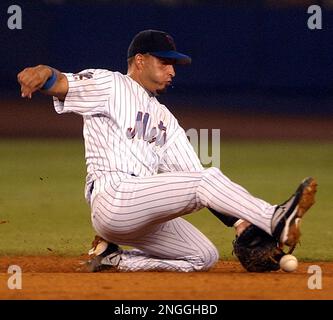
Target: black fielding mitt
x,y
257,251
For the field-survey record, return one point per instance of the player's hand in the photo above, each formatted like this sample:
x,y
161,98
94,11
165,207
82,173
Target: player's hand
x,y
32,79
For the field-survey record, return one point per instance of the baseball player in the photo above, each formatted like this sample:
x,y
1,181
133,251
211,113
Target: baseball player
x,y
143,174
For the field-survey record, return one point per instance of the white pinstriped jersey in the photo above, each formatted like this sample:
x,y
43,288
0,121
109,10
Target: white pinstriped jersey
x,y
126,130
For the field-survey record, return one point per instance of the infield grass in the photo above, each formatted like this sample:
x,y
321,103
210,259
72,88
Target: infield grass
x,y
43,211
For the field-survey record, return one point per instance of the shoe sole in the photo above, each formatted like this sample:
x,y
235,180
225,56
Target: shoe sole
x,y
101,263
291,232
95,265
100,247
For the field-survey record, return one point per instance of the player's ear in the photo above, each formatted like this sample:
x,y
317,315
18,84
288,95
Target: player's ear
x,y
139,60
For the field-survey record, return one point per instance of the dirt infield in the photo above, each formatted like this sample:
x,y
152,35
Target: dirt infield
x,y
53,277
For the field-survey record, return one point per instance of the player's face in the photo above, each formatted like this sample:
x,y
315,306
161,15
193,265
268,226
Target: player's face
x,y
158,73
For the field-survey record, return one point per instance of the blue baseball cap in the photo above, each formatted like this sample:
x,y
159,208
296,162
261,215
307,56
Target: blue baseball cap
x,y
157,43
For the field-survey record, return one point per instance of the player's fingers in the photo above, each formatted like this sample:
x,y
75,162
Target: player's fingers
x,y
26,92
30,80
33,84
24,80
30,77
26,95
24,75
29,85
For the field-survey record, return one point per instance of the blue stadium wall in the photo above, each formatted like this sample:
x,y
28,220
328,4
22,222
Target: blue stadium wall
x,y
238,50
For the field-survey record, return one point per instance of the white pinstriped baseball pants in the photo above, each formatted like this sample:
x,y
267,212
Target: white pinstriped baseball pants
x,y
145,212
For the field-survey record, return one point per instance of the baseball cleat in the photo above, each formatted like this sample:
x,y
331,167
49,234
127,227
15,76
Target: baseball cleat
x,y
100,263
104,256
99,245
287,216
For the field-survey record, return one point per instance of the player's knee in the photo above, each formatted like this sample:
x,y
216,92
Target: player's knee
x,y
212,257
206,259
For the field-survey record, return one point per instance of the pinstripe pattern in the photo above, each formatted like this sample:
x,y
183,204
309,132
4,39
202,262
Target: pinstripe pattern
x,y
146,175
173,246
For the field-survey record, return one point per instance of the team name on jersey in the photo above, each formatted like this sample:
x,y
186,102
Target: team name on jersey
x,y
140,130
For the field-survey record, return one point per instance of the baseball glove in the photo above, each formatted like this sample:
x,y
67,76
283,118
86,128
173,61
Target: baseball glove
x,y
257,251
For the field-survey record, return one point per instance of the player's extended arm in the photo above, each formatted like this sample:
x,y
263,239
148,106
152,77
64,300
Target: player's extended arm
x,y
44,78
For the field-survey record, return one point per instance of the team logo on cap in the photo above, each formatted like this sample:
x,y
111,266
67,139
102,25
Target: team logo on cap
x,y
171,41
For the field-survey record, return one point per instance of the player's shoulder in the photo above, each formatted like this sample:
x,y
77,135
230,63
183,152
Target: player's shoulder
x,y
101,76
97,74
168,114
164,108
92,73
117,76
120,76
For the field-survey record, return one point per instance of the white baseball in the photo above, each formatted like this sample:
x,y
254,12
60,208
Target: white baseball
x,y
288,263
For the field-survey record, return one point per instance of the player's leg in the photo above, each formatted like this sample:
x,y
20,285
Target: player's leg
x,y
140,202
230,202
283,222
175,245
